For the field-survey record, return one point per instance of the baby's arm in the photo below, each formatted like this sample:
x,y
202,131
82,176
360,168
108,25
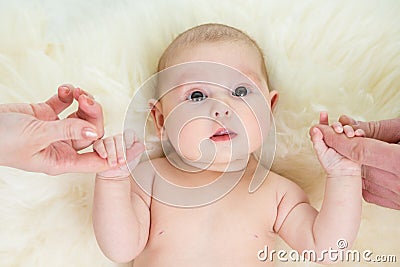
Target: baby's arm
x,y
302,226
121,218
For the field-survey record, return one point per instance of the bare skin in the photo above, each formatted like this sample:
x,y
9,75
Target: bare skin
x,y
132,225
225,233
228,232
34,137
378,153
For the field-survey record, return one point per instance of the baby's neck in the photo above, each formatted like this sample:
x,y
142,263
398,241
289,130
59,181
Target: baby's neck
x,y
191,166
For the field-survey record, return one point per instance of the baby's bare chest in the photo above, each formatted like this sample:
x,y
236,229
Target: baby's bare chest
x,y
200,226
236,226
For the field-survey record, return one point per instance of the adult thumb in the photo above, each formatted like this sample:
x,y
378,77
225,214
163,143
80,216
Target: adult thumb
x,y
69,129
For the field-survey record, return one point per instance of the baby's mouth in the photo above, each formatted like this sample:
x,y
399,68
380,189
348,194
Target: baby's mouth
x,y
223,134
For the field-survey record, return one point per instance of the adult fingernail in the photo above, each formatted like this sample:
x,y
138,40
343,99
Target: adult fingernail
x,y
89,133
358,132
65,89
89,100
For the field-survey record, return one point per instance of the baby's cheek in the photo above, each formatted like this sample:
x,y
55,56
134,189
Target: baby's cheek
x,y
257,130
189,141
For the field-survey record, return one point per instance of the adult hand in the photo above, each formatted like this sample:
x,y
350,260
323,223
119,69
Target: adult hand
x,y
379,154
34,138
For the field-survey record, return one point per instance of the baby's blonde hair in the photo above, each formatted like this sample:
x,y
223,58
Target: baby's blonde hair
x,y
211,32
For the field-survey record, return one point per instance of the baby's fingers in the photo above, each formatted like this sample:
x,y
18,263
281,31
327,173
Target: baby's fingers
x,y
133,147
119,148
99,147
129,138
111,151
359,133
323,118
337,127
348,130
135,150
318,142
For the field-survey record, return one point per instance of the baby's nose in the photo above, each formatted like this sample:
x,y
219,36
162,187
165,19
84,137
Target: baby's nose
x,y
221,112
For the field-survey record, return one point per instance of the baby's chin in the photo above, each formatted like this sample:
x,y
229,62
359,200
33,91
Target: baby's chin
x,y
219,159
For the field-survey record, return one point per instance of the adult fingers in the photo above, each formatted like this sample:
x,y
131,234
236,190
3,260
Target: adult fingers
x,y
364,151
90,111
62,100
78,92
17,108
89,162
48,132
385,130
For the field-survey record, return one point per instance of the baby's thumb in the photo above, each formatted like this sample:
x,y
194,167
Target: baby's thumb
x,y
132,144
317,140
70,129
134,151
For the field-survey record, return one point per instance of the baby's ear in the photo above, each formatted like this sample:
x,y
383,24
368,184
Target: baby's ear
x,y
157,115
273,96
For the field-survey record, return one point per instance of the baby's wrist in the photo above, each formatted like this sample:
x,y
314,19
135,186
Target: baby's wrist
x,y
99,176
354,171
336,177
341,174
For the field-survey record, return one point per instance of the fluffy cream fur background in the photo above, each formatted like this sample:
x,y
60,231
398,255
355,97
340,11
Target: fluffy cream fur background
x,y
339,56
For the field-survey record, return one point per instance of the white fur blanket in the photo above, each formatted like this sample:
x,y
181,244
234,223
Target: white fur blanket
x,y
339,56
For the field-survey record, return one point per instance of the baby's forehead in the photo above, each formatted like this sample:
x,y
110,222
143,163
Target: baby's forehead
x,y
205,72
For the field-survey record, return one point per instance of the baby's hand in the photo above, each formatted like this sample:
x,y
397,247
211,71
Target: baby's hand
x,y
334,163
111,148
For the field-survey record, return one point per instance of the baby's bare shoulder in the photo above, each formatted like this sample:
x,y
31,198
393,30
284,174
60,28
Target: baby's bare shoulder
x,y
282,186
274,180
287,196
144,173
148,167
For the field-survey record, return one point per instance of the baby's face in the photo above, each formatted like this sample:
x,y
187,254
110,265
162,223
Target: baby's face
x,y
217,121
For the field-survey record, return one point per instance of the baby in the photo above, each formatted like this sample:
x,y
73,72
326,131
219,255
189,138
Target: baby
x,y
134,221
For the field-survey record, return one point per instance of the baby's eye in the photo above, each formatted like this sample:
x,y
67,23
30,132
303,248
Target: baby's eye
x,y
196,96
240,91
